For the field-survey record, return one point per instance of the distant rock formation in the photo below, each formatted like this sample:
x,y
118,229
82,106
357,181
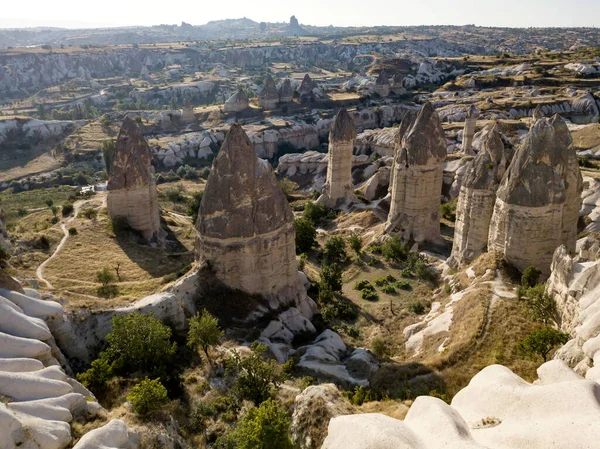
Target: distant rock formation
x,y
382,85
294,28
397,87
131,184
539,197
469,130
245,230
477,199
238,102
306,89
269,97
187,114
286,93
417,179
338,189
538,114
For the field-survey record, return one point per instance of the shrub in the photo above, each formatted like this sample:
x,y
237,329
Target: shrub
x,y
140,342
201,411
379,282
375,249
264,427
97,375
72,231
331,278
174,194
105,277
302,261
90,213
193,205
389,289
379,348
49,202
355,242
67,209
335,249
402,285
332,308
449,210
4,254
108,153
541,305
393,249
314,212
363,285
147,396
530,277
305,235
417,308
541,341
361,394
256,377
204,332
288,187
369,295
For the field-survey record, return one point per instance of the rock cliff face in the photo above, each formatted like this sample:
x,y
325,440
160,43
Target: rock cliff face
x,y
397,87
338,189
382,85
286,93
469,130
477,199
238,102
306,89
531,216
497,409
245,230
39,399
131,184
269,97
417,179
187,114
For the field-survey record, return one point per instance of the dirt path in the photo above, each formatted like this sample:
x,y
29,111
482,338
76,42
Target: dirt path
x,y
40,270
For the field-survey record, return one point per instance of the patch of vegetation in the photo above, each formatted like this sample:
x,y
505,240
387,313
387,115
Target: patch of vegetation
x,y
541,342
355,241
193,205
448,210
67,209
305,235
417,307
315,212
369,295
72,231
204,332
393,249
331,278
335,249
148,396
379,347
264,427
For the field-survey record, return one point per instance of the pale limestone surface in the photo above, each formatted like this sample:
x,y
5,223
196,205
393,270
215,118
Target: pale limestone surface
x,y
238,102
417,179
497,410
269,97
477,198
538,201
131,185
286,92
469,130
338,189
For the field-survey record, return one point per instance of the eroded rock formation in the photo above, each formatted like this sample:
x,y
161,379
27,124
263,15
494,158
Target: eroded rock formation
x,y
537,204
131,183
477,199
306,89
245,230
187,114
397,87
286,93
338,189
382,85
238,102
417,179
469,130
269,97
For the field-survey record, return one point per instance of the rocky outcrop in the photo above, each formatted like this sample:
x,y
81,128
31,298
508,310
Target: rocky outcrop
x,y
245,230
286,92
397,86
187,113
382,85
537,204
199,92
338,189
477,199
299,135
269,97
417,179
39,399
238,102
497,409
131,184
469,130
306,89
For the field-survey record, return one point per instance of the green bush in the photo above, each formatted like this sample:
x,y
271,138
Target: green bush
x,y
402,285
193,205
379,348
147,396
355,242
380,282
204,332
67,209
417,308
264,427
256,378
175,195
140,343
369,295
314,212
335,249
541,341
96,377
393,249
305,235
363,285
331,278
336,308
72,231
541,305
530,277
288,187
200,412
449,210
89,213
105,276
389,289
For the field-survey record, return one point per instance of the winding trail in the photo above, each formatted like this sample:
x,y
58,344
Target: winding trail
x,y
40,270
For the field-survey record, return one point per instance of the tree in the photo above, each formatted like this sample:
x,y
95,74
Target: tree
x,y
54,210
541,341
204,332
147,396
140,342
335,249
117,268
193,205
315,212
105,277
67,209
97,375
530,277
331,278
256,377
108,153
355,242
393,249
264,427
305,235
49,202
541,305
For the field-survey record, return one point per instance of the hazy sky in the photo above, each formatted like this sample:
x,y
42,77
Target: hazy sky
x,y
515,13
